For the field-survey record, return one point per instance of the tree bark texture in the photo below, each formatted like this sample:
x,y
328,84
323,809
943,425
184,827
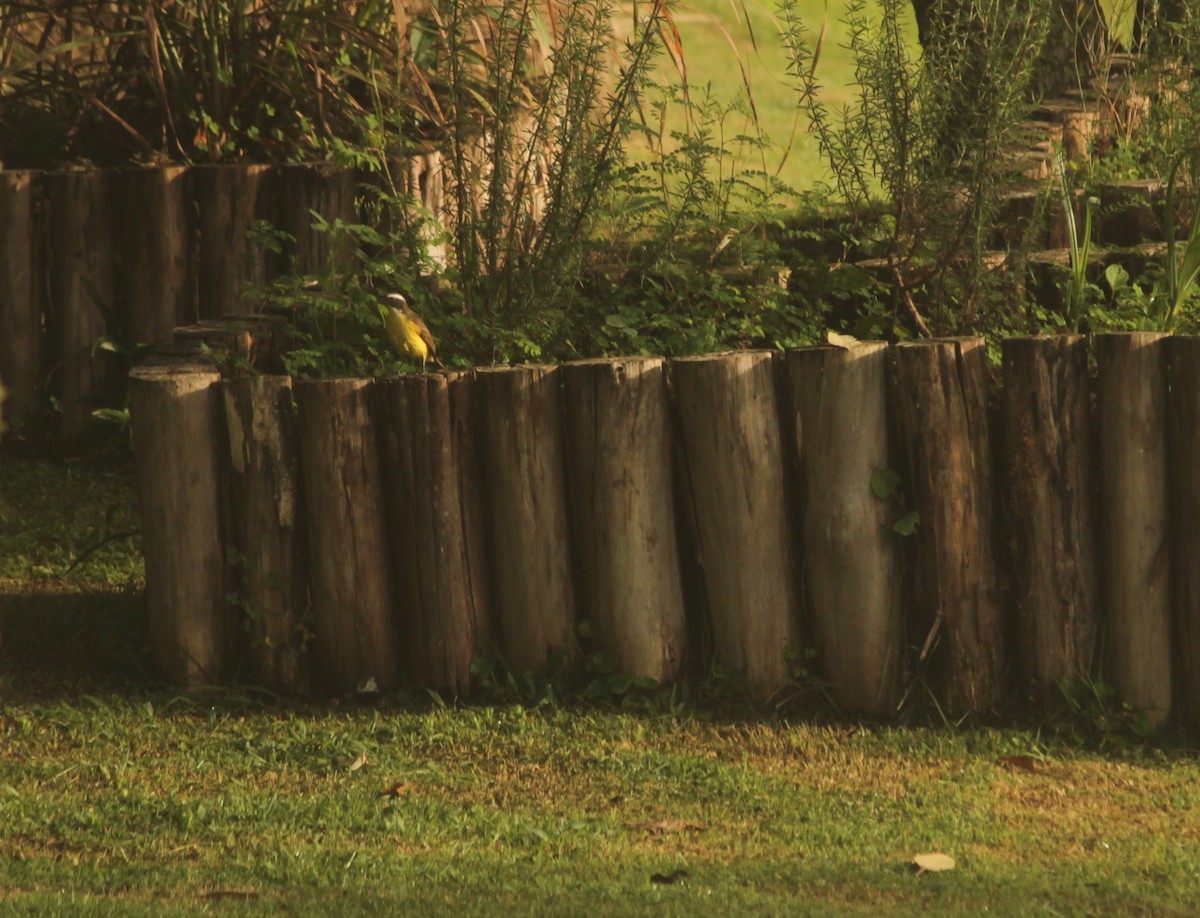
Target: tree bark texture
x,y
1050,516
958,620
175,412
1183,379
622,512
229,199
305,189
20,307
269,529
850,557
1134,546
435,506
519,418
356,638
156,227
729,429
80,287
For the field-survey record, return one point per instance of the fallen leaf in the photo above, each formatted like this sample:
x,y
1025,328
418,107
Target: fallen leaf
x,y
359,762
397,790
933,862
666,879
665,826
845,342
1019,762
368,686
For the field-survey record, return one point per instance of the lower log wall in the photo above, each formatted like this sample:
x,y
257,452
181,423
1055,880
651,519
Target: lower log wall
x,y
392,531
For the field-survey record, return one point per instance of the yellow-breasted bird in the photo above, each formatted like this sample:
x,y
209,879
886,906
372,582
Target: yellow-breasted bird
x,y
408,332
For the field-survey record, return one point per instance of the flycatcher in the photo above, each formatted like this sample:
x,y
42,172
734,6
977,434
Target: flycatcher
x,y
408,332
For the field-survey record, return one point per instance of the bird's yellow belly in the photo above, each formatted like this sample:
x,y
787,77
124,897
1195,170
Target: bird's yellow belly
x,y
405,337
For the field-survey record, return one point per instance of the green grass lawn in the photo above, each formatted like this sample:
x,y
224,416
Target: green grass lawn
x,y
121,796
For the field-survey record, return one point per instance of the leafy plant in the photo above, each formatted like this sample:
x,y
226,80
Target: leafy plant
x,y
218,80
1079,293
934,134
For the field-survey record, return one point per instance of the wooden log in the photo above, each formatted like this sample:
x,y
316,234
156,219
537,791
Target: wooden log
x,y
958,618
268,529
229,199
156,229
435,507
1135,566
1049,511
20,309
729,433
348,560
1183,381
80,288
850,557
304,189
619,466
175,412
519,423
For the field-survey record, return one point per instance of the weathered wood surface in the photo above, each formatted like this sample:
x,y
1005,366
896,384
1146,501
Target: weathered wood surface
x,y
156,226
435,505
20,306
269,533
729,434
1049,510
175,412
850,556
519,415
80,285
1183,379
958,617
302,189
1135,554
228,201
623,534
356,640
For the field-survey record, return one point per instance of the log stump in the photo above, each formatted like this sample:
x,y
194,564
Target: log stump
x,y
435,507
734,487
20,309
1050,511
80,288
958,621
519,423
304,189
850,557
156,228
175,412
1135,561
268,529
356,646
1183,379
619,453
229,199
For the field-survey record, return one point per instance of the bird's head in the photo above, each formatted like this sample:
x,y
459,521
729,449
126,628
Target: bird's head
x,y
395,302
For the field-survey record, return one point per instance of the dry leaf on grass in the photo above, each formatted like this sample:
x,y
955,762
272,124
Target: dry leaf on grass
x,y
933,862
359,762
397,790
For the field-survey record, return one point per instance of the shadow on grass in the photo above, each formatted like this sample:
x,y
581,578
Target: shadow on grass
x,y
58,644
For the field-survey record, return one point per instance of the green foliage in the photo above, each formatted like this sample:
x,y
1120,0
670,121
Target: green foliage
x,y
934,134
213,81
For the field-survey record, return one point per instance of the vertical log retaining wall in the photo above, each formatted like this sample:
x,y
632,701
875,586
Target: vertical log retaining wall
x,y
392,530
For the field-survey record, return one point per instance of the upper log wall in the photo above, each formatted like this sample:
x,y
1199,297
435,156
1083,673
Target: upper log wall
x,y
132,254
